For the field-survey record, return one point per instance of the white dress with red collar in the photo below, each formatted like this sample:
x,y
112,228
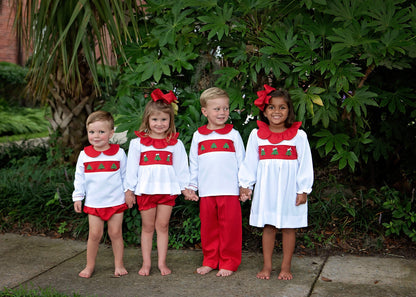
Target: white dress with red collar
x,y
214,158
99,177
156,166
280,164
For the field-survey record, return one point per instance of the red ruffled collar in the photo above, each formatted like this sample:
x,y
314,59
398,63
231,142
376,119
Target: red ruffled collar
x,y
205,131
265,133
157,143
91,152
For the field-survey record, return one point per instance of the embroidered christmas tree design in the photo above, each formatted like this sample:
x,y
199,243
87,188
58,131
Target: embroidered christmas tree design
x,y
213,145
168,158
226,146
145,158
157,158
114,166
202,148
274,152
89,167
289,152
101,166
263,153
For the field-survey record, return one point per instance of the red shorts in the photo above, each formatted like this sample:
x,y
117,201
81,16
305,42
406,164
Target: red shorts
x,y
105,213
145,202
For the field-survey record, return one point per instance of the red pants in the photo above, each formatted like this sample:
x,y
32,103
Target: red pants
x,y
221,231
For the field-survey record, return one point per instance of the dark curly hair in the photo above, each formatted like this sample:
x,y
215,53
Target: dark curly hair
x,y
280,93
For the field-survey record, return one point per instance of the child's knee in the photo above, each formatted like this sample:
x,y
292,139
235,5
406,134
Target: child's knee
x,y
115,233
148,228
162,228
95,235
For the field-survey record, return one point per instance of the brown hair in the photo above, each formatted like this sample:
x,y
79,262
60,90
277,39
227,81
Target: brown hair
x,y
280,93
212,93
100,115
161,106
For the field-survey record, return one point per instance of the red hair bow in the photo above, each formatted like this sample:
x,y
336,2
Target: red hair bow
x,y
168,98
263,97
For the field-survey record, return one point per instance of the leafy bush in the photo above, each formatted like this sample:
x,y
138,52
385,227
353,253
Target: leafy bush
x,y
34,191
20,120
12,82
401,212
132,226
335,58
185,224
339,213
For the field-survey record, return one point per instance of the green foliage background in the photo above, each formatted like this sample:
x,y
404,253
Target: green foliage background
x,y
348,65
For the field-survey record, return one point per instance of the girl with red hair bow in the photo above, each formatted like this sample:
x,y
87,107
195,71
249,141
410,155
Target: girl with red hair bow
x,y
157,172
278,160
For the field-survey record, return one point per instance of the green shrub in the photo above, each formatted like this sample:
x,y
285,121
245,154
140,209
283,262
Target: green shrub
x,y
22,120
132,226
12,82
340,213
34,191
185,224
401,212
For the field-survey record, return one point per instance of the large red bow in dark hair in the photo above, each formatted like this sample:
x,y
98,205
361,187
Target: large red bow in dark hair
x,y
263,97
168,98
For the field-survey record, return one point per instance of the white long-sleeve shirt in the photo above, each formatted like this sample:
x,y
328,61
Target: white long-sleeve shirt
x,y
215,158
155,166
99,177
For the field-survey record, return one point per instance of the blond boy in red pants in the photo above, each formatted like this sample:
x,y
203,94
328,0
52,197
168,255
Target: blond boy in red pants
x,y
216,153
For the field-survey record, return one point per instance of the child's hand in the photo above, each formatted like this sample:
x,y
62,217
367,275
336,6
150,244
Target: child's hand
x,y
301,199
78,206
130,198
245,194
190,195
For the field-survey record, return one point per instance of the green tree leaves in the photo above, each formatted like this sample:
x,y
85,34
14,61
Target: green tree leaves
x,y
330,55
216,22
171,24
359,101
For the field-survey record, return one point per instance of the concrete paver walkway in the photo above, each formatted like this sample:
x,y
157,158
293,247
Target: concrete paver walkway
x,y
41,262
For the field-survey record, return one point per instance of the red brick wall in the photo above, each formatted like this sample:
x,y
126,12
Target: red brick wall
x,y
10,51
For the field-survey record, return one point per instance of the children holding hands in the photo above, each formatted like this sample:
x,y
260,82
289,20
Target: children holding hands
x,y
216,154
278,160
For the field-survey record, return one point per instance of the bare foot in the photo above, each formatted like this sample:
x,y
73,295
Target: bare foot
x,y
264,273
164,270
120,271
224,272
86,273
145,270
285,275
204,270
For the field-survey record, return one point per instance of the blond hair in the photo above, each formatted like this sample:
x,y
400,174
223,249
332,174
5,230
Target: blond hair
x,y
212,93
158,106
100,115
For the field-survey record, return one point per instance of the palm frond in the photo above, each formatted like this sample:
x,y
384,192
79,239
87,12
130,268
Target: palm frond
x,y
66,36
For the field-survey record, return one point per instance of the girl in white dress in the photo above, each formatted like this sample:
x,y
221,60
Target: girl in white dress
x,y
278,160
157,172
